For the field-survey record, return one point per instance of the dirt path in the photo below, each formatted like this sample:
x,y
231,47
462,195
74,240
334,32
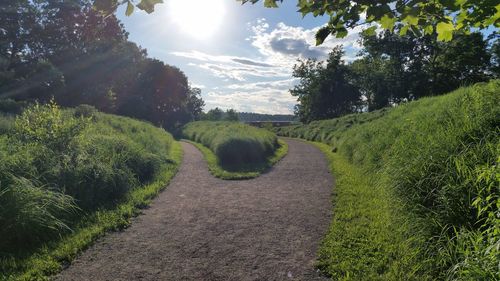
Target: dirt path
x,y
203,228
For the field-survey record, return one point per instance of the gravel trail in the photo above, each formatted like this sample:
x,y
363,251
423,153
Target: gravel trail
x,y
204,228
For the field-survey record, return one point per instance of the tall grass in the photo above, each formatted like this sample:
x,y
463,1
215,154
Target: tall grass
x,y
59,167
236,145
440,157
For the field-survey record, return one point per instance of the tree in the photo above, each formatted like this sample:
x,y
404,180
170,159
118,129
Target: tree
x,y
214,114
396,68
325,91
69,50
495,58
195,104
231,115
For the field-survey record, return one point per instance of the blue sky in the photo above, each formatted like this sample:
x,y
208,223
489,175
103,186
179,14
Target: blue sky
x,y
241,56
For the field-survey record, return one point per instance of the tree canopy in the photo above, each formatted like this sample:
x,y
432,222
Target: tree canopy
x,y
74,53
417,16
420,17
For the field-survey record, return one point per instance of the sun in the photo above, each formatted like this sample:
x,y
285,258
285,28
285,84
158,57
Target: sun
x,y
197,18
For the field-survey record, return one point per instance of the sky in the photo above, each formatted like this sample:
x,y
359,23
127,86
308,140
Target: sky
x,y
240,56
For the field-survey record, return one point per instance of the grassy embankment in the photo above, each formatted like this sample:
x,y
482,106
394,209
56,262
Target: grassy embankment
x,y
417,189
234,150
69,176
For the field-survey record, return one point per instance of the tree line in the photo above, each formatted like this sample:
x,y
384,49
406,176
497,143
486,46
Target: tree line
x,y
69,51
392,69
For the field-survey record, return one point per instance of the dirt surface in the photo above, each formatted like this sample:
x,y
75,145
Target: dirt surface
x,y
204,228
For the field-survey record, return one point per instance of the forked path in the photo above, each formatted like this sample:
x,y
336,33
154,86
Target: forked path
x,y
203,228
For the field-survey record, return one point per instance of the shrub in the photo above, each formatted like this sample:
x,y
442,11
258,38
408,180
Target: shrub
x,y
48,125
52,161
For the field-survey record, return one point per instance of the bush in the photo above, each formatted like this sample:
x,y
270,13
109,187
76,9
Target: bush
x,y
235,144
52,162
48,125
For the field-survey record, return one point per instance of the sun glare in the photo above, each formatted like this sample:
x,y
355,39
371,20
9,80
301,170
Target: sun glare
x,y
197,18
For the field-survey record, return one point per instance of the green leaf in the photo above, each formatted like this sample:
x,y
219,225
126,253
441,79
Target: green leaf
x,y
411,20
106,6
429,29
371,31
387,22
148,5
322,34
445,31
341,32
403,30
268,4
130,9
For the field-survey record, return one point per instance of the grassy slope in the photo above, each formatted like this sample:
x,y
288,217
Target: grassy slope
x,y
37,263
434,160
252,171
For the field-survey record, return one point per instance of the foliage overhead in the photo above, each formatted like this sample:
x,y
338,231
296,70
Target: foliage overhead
x,y
109,6
443,17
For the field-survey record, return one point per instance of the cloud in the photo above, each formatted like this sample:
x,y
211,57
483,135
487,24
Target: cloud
x,y
251,62
261,83
283,85
233,67
283,44
265,101
292,46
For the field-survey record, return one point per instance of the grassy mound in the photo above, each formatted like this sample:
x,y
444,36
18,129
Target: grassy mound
x,y
436,162
251,171
238,147
68,176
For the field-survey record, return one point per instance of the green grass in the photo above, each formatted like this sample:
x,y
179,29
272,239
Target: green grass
x,y
249,172
439,158
68,180
366,238
237,146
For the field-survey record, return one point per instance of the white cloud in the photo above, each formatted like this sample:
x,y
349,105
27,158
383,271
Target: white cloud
x,y
264,101
284,44
261,83
233,67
